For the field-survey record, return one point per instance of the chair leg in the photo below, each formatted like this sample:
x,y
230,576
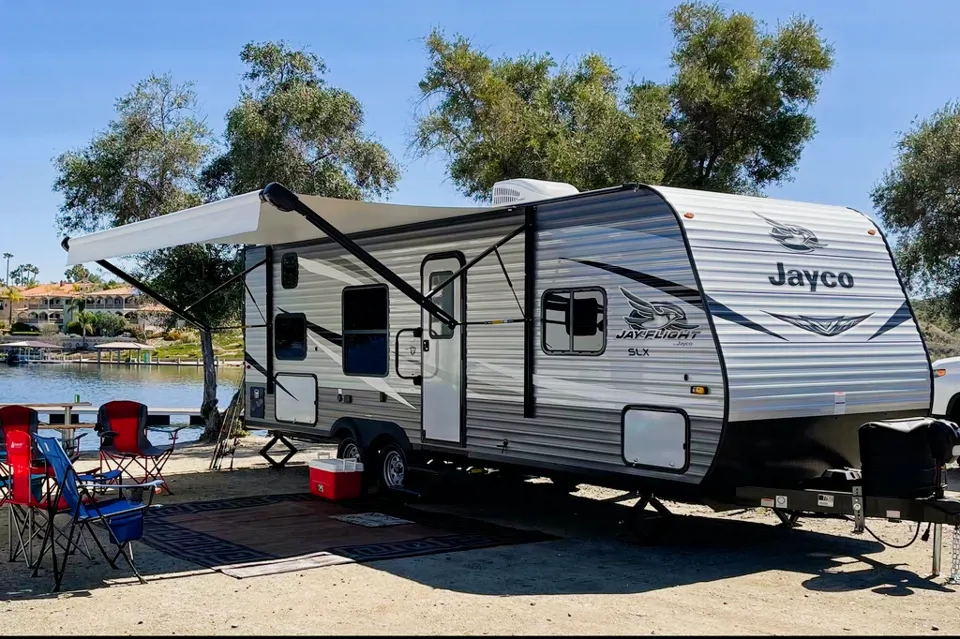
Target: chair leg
x,y
103,551
129,549
58,573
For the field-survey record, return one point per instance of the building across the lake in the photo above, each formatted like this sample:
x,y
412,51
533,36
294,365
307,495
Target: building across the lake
x,y
58,304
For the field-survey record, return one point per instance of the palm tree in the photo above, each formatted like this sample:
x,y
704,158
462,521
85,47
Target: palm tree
x,y
86,320
13,296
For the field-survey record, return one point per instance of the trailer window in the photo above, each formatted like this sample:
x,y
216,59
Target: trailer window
x,y
443,299
289,270
573,321
366,330
290,336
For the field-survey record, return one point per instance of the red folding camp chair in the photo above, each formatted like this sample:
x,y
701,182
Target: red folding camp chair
x,y
122,426
28,495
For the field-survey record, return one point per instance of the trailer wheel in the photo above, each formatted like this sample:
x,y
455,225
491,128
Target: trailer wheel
x,y
349,449
393,467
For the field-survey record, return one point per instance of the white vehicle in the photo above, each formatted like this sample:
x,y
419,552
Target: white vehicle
x,y
946,388
677,342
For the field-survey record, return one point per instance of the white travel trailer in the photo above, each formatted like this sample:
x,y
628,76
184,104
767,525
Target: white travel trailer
x,y
681,343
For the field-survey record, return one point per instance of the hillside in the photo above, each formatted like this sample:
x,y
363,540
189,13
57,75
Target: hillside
x,y
942,336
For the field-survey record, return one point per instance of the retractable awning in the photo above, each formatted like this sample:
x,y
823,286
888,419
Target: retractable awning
x,y
251,219
274,215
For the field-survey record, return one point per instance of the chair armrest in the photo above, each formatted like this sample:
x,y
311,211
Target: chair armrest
x,y
154,484
107,433
168,429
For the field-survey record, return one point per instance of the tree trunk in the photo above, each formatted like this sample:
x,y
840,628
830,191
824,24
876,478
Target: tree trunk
x,y
208,409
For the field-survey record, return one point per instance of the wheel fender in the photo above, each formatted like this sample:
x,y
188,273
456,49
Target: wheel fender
x,y
367,431
953,406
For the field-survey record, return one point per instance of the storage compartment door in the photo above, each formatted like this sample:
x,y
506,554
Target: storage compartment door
x,y
656,438
296,399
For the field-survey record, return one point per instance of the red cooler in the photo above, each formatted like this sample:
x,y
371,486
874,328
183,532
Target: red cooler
x,y
336,479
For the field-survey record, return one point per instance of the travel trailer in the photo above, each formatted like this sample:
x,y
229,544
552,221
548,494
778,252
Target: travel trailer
x,y
680,343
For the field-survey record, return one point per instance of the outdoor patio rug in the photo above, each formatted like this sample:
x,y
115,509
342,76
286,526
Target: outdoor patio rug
x,y
255,536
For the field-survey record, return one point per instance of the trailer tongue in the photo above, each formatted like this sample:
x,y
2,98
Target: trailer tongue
x,y
902,478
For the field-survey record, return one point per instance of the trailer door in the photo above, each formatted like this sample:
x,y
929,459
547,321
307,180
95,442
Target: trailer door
x,y
444,348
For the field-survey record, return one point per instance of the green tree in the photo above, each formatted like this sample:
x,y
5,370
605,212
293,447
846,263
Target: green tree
x,y
732,118
108,324
290,126
918,199
25,275
14,296
77,273
83,324
146,163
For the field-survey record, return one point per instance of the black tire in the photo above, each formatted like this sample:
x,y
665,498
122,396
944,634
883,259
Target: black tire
x,y
349,448
392,467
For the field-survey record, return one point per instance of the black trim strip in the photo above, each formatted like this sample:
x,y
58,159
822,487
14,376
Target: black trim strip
x,y
901,315
683,293
247,358
724,312
271,381
332,337
529,310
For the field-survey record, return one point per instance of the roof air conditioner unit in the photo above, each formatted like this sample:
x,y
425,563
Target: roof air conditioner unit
x,y
519,190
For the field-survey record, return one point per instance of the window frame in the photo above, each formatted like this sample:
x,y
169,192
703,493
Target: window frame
x,y
302,317
572,291
293,270
345,332
452,287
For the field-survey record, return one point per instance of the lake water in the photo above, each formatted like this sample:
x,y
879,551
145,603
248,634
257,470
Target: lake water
x,y
156,386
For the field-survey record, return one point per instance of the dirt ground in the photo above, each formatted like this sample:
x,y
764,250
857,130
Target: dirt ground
x,y
717,574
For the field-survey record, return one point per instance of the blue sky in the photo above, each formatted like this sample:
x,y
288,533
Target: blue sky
x,y
62,65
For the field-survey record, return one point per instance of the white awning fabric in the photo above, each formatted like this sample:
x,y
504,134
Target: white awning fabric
x,y
244,219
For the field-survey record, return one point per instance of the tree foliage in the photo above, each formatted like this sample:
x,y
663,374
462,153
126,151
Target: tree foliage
x,y
77,273
918,199
25,275
291,127
732,118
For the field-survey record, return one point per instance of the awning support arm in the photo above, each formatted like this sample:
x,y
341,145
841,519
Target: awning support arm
x,y
463,269
137,284
285,200
230,281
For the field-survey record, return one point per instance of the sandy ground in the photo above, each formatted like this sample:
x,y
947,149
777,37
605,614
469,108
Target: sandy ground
x,y
733,573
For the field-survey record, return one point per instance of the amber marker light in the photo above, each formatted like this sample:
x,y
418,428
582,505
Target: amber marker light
x,y
699,390
939,372
689,216
872,231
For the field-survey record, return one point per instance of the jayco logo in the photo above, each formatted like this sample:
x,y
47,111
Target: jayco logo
x,y
811,279
793,237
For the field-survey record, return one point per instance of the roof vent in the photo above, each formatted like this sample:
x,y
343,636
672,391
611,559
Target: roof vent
x,y
524,190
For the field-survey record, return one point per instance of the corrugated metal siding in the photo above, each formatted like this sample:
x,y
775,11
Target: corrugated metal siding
x,y
255,308
798,375
580,398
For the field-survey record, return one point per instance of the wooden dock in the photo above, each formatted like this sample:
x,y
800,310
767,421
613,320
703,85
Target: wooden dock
x,y
155,416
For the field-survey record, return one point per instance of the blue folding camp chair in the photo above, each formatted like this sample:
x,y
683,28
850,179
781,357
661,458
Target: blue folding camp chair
x,y
121,517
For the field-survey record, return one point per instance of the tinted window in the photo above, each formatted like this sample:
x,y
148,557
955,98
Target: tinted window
x,y
289,270
573,321
366,330
290,336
